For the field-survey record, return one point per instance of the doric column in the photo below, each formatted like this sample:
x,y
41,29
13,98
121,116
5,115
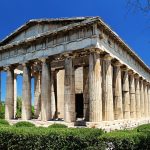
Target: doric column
x,y
107,89
149,99
142,97
15,94
46,91
137,97
132,94
86,92
60,93
0,92
118,107
53,94
26,93
37,94
145,99
126,96
69,91
9,104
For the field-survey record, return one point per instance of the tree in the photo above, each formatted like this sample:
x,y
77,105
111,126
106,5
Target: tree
x,y
139,5
19,107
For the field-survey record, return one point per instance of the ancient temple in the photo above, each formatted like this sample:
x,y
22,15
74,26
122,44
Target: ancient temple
x,y
81,69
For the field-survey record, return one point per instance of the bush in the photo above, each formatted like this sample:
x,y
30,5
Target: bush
x,y
19,107
24,124
56,125
121,140
143,128
49,138
2,110
4,122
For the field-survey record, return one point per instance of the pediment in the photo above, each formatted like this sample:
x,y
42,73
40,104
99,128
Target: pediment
x,y
35,27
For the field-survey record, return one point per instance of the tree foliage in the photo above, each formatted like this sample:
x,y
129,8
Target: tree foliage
x,y
141,5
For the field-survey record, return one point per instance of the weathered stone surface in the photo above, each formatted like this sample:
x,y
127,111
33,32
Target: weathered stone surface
x,y
69,91
9,105
37,94
145,100
137,97
53,94
64,58
108,111
60,94
26,93
95,93
126,95
132,95
118,107
86,92
15,95
45,91
142,98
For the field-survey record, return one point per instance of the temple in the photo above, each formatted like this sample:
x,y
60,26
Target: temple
x,y
82,70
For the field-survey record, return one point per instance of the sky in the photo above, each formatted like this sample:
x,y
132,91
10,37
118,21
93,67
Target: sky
x,y
132,26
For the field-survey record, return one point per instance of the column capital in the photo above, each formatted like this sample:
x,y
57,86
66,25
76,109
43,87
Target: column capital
x,y
107,57
141,79
25,64
131,72
6,68
136,76
145,82
98,51
69,55
43,60
125,68
117,63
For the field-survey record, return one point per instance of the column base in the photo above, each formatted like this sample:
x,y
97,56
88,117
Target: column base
x,y
105,125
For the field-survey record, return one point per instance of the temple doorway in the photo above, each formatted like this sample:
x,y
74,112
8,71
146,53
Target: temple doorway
x,y
79,105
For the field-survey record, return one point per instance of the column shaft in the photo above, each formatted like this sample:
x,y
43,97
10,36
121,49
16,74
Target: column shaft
x,y
69,91
149,100
142,98
145,100
15,95
137,97
132,95
107,89
26,93
86,92
60,94
9,104
118,108
53,94
126,96
0,92
46,92
37,94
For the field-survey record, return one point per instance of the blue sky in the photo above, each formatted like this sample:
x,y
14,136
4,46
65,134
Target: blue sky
x,y
132,26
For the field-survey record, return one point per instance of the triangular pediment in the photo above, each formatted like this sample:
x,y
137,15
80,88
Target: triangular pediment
x,y
38,26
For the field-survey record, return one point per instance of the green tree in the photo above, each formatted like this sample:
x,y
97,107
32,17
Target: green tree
x,y
19,107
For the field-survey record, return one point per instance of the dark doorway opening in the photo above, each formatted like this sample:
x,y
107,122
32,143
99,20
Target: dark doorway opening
x,y
79,105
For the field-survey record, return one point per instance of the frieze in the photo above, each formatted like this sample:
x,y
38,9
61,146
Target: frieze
x,y
123,56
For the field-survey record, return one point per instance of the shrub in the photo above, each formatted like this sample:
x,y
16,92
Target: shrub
x,y
19,107
49,138
143,128
123,140
56,125
4,122
24,124
2,110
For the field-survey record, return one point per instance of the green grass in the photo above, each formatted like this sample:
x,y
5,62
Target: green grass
x,y
24,124
56,125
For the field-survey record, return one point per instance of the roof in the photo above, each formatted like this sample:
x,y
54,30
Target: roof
x,y
77,21
38,21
